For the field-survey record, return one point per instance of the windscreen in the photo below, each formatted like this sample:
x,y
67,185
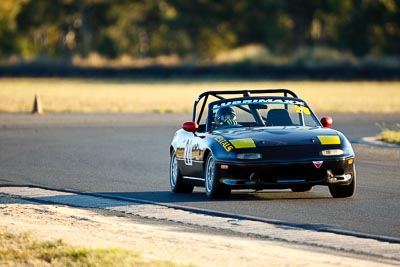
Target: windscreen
x,y
259,112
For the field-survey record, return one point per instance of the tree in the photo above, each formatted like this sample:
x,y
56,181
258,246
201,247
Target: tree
x,y
195,29
9,10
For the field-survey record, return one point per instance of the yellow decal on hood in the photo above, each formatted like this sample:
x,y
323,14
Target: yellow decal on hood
x,y
243,143
329,139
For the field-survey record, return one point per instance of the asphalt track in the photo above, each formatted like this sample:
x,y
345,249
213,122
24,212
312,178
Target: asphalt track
x,y
127,156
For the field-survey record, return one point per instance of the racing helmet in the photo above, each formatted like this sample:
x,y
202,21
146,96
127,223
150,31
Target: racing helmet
x,y
225,115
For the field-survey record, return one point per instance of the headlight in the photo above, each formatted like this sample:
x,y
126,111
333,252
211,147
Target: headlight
x,y
249,156
332,152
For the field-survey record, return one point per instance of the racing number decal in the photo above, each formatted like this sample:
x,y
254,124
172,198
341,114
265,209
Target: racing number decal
x,y
188,152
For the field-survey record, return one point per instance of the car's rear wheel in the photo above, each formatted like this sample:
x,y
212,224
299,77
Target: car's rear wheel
x,y
342,191
176,179
214,189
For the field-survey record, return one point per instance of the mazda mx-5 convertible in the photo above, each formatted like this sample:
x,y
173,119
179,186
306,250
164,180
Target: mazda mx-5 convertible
x,y
259,139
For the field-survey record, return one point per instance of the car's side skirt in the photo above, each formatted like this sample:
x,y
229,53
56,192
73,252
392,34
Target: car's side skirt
x,y
194,168
193,178
196,181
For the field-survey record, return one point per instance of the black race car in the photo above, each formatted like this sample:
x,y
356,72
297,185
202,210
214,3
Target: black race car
x,y
259,139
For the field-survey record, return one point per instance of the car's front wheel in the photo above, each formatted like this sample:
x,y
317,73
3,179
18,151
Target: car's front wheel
x,y
176,179
214,189
342,191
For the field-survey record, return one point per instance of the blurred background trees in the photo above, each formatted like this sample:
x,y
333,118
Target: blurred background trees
x,y
197,31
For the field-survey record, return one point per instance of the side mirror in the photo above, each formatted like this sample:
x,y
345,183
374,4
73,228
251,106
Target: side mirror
x,y
190,126
326,122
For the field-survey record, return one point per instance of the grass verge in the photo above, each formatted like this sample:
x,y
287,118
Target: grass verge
x,y
390,136
133,96
24,250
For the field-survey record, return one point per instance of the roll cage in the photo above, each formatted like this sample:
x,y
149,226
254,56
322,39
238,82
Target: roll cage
x,y
204,97
220,97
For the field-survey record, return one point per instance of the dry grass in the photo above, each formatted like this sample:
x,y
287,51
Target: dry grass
x,y
89,95
390,136
24,250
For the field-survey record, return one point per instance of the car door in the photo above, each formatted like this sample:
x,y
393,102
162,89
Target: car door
x,y
193,151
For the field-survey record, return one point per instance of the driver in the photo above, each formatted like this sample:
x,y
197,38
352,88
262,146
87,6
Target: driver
x,y
225,116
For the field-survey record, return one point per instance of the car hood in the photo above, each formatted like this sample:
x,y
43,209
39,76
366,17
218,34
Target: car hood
x,y
279,136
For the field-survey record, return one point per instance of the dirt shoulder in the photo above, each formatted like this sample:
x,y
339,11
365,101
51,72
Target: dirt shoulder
x,y
155,240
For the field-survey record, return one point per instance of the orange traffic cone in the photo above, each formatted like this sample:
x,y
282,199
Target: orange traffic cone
x,y
37,106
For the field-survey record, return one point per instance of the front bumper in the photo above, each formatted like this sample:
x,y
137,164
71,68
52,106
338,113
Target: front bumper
x,y
264,175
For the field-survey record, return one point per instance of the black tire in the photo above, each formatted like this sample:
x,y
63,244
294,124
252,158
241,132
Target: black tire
x,y
342,191
214,189
303,188
176,179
